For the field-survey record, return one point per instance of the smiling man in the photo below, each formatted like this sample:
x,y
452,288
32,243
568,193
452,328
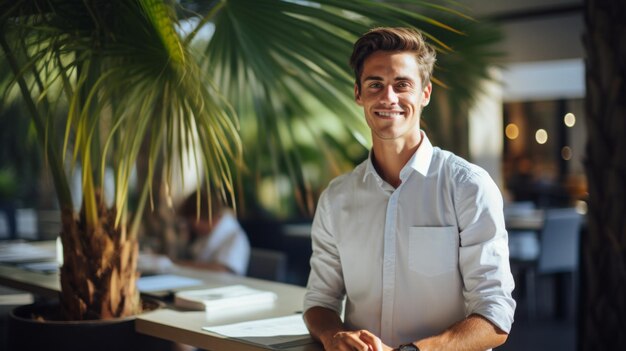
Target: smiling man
x,y
413,238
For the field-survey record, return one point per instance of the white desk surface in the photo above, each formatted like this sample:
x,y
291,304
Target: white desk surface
x,y
186,326
46,285
38,283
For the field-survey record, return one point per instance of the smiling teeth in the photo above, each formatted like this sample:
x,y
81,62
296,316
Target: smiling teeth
x,y
390,114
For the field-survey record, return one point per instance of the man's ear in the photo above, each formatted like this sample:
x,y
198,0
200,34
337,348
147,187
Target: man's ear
x,y
428,89
357,95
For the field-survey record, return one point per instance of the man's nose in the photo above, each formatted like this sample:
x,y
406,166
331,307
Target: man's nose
x,y
389,95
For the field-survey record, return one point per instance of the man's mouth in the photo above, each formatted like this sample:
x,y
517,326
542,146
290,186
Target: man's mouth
x,y
390,114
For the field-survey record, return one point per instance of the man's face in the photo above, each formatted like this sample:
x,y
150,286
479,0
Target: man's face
x,y
392,96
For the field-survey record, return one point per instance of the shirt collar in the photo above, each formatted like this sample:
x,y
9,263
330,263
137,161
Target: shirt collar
x,y
420,161
369,168
422,157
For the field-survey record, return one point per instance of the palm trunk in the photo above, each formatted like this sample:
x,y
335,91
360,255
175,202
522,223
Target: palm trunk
x,y
98,276
603,286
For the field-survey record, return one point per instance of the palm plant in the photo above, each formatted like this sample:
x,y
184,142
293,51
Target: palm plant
x,y
107,80
124,76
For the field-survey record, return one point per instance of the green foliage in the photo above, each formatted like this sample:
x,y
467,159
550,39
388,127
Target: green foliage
x,y
121,72
284,66
8,183
130,83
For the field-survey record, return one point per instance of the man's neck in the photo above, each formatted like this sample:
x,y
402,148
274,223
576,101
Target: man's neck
x,y
390,156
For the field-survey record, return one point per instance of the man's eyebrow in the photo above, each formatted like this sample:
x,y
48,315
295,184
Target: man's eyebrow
x,y
377,78
403,78
372,78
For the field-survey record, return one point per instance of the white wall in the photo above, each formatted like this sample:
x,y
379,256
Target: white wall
x,y
544,80
485,128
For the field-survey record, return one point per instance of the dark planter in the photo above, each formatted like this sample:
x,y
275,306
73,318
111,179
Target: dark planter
x,y
25,333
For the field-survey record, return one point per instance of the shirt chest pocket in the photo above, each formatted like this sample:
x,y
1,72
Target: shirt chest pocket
x,y
433,250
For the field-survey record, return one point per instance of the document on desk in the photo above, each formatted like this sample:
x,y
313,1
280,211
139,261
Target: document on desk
x,y
48,267
276,333
165,282
224,298
18,252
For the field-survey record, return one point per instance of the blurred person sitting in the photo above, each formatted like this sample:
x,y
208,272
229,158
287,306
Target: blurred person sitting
x,y
211,237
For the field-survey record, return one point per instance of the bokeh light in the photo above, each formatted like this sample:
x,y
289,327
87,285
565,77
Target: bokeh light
x,y
566,153
511,131
569,119
541,136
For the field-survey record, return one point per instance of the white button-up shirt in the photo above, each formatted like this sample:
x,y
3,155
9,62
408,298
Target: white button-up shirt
x,y
414,260
227,244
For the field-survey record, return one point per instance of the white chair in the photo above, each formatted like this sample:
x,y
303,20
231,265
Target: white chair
x,y
267,264
519,207
26,223
523,244
559,242
5,230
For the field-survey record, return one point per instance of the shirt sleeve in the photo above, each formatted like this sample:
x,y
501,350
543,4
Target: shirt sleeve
x,y
484,253
234,252
325,287
227,245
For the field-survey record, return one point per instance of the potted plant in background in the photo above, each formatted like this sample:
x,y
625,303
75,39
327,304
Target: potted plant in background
x,y
110,75
106,81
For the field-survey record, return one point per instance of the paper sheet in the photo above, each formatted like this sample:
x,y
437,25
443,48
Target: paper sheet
x,y
42,267
165,282
224,298
24,252
276,333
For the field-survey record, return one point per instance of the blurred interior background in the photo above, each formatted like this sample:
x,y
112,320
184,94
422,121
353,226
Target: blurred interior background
x,y
525,125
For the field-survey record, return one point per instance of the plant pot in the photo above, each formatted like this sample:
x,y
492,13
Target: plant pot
x,y
25,333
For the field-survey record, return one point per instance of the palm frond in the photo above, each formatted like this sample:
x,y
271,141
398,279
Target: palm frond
x,y
281,66
124,74
284,63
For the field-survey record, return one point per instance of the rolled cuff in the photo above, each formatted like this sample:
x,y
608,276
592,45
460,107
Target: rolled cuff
x,y
499,312
313,299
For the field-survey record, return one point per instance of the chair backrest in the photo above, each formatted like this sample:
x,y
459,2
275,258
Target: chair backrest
x,y
524,244
560,240
267,264
519,207
5,228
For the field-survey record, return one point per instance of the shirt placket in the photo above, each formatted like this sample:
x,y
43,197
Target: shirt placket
x,y
389,267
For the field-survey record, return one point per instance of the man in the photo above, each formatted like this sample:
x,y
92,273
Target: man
x,y
413,237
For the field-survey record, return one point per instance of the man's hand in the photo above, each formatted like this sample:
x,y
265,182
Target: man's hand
x,y
326,327
360,340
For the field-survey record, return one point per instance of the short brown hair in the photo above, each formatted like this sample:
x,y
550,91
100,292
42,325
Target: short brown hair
x,y
393,39
210,205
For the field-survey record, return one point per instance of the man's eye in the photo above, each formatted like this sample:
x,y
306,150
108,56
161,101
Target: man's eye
x,y
375,85
403,85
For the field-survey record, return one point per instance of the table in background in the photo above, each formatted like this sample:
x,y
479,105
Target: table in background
x,y
180,326
527,220
186,326
14,274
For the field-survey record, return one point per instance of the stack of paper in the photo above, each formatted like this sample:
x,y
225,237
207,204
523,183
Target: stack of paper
x,y
16,252
226,297
273,333
165,282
